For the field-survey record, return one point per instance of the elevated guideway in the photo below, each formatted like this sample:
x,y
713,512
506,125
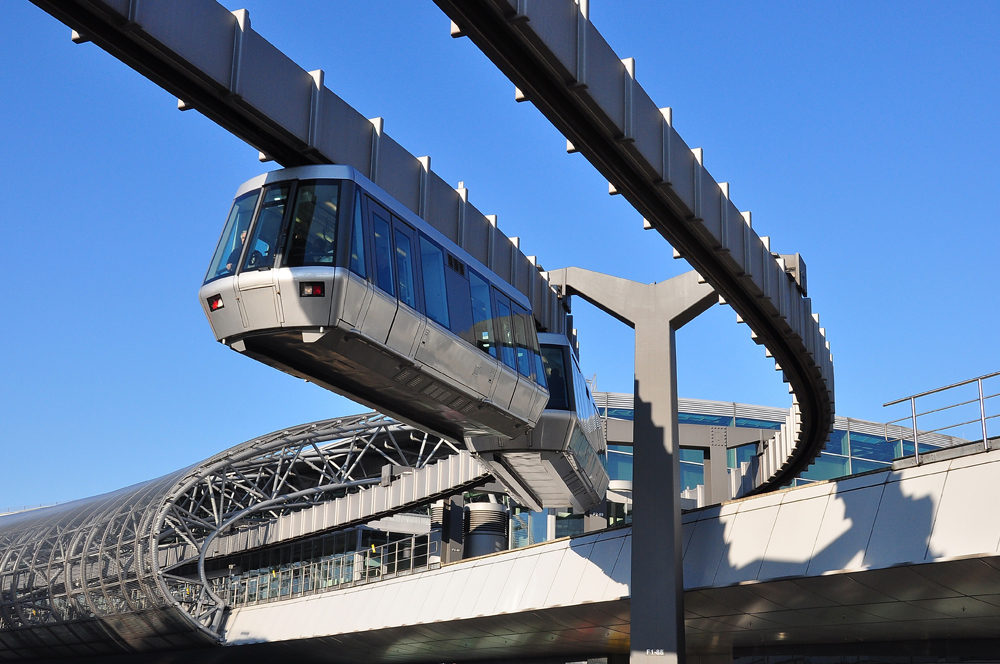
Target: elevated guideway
x,y
216,63
560,62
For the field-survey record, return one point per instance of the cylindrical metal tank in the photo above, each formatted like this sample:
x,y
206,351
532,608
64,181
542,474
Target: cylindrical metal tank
x,y
485,529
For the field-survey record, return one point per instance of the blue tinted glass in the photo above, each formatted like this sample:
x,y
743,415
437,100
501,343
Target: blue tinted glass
x,y
714,420
227,254
751,423
555,370
694,456
871,447
838,443
404,270
383,255
262,245
435,292
358,241
619,465
691,475
827,467
738,455
863,466
482,314
619,413
624,449
505,332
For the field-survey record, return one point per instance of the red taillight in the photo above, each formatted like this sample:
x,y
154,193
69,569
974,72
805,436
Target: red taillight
x,y
215,303
311,289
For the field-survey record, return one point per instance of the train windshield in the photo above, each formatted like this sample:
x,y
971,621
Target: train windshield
x,y
227,254
313,232
264,238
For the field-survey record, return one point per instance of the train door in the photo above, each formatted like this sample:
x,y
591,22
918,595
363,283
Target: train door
x,y
255,282
506,381
382,309
357,289
408,324
523,402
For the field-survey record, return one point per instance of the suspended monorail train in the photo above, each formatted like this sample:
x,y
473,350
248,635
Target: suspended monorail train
x,y
321,274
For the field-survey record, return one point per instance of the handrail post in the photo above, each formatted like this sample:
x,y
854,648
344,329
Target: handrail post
x,y
916,443
982,415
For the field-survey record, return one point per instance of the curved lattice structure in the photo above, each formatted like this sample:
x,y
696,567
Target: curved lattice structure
x,y
112,574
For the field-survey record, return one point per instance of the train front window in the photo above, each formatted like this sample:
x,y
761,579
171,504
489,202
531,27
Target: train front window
x,y
383,254
263,243
313,233
227,254
555,371
482,314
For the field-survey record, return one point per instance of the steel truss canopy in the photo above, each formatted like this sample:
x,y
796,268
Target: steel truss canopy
x,y
111,574
560,62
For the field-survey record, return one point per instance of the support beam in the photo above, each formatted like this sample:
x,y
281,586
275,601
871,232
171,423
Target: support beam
x,y
656,312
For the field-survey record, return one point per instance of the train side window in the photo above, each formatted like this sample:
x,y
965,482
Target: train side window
x,y
264,237
358,241
383,253
536,357
404,267
459,299
555,372
435,292
227,253
504,331
524,360
482,314
312,237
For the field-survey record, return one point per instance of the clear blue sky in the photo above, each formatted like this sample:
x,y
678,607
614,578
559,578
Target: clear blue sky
x,y
862,135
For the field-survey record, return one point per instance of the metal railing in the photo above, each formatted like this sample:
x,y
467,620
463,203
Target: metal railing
x,y
951,408
345,570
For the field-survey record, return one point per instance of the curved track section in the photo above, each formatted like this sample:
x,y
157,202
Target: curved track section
x,y
124,572
561,63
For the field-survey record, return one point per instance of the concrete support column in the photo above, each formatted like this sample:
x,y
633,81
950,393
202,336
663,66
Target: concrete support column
x,y
656,312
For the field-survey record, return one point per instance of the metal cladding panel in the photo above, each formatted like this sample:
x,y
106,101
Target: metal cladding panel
x,y
571,570
648,125
705,552
792,539
555,22
501,250
542,577
274,85
476,239
959,529
841,544
903,525
443,207
517,584
746,542
492,588
203,31
398,173
451,594
597,573
605,82
344,134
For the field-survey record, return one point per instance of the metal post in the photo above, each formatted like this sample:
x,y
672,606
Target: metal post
x,y
982,414
913,414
